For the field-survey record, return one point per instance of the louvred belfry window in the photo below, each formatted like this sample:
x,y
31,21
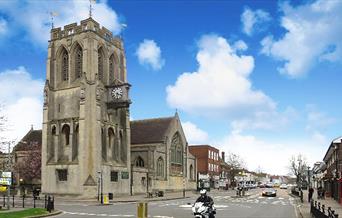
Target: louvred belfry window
x,y
78,61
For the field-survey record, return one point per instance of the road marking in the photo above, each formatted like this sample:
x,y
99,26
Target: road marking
x,y
102,214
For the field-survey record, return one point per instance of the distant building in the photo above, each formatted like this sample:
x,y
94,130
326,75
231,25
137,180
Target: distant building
x,y
160,156
208,163
332,174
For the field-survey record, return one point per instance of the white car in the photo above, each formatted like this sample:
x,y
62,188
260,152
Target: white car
x,y
283,186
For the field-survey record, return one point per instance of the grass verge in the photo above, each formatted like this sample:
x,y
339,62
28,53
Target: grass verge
x,y
24,213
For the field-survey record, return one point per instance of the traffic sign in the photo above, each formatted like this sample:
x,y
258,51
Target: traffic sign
x,y
6,175
5,181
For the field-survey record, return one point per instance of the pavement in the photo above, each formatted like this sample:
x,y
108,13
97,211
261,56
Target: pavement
x,y
304,208
134,198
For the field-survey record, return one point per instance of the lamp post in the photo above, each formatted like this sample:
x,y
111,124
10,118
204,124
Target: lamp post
x,y
309,176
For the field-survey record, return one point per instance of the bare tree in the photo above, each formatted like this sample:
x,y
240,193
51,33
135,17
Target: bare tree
x,y
3,128
236,164
298,167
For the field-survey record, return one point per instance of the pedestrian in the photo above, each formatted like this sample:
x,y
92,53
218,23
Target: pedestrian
x,y
311,191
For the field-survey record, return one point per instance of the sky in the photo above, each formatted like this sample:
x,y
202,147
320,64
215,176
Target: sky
x,y
260,79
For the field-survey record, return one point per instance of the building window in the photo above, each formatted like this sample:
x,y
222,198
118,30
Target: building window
x,y
114,175
122,68
65,65
191,172
160,167
100,64
139,162
66,135
176,150
62,175
78,61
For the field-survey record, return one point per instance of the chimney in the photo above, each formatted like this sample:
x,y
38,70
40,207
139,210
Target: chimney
x,y
223,154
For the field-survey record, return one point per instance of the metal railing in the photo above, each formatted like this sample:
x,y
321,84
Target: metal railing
x,y
318,210
24,201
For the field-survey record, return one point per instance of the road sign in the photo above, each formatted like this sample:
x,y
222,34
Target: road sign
x,y
6,175
5,181
3,188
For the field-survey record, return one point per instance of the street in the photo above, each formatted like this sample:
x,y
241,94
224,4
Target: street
x,y
227,205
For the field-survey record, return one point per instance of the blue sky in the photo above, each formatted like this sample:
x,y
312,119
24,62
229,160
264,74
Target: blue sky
x,y
257,78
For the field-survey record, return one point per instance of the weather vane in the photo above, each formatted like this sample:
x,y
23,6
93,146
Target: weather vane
x,y
90,6
52,15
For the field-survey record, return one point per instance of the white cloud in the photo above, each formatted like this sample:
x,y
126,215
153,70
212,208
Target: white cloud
x,y
317,120
272,156
149,53
3,26
36,21
194,135
313,34
22,97
266,120
252,20
221,84
240,45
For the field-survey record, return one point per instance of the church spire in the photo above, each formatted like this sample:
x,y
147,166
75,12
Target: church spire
x,y
90,7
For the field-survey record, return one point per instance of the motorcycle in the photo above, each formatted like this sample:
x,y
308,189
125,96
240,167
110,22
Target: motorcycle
x,y
202,210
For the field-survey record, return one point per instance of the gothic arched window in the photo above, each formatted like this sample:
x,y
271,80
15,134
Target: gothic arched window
x,y
65,65
139,162
160,167
122,68
191,172
110,137
176,150
78,61
111,68
100,64
66,134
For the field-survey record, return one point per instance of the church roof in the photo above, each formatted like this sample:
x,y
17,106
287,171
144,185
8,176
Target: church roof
x,y
25,143
149,130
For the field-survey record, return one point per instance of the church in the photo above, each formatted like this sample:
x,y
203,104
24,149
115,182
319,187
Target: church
x,y
87,133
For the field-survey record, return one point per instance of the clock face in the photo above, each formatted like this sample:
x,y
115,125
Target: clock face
x,y
117,93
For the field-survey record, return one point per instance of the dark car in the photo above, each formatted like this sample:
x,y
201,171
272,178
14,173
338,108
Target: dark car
x,y
269,192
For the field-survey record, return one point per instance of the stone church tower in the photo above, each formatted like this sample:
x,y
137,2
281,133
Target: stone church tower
x,y
86,128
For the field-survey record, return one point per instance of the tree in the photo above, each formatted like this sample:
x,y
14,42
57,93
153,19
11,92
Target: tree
x,y
236,164
298,168
3,121
29,168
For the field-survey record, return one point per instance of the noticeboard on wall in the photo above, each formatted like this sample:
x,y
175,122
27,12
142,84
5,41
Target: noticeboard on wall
x,y
124,175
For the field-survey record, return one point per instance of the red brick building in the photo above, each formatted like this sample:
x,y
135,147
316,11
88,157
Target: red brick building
x,y
208,163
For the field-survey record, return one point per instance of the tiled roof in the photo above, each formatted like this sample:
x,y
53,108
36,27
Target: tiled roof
x,y
150,130
31,137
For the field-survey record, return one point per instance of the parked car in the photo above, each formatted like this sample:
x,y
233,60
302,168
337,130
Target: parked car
x,y
283,186
269,185
269,192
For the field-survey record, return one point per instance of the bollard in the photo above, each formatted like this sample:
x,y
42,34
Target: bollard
x,y
53,203
13,201
142,210
23,200
323,208
45,202
34,202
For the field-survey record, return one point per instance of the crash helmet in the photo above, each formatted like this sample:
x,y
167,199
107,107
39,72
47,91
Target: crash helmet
x,y
203,192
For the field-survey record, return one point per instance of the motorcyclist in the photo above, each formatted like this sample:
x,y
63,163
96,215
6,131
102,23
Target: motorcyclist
x,y
207,200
